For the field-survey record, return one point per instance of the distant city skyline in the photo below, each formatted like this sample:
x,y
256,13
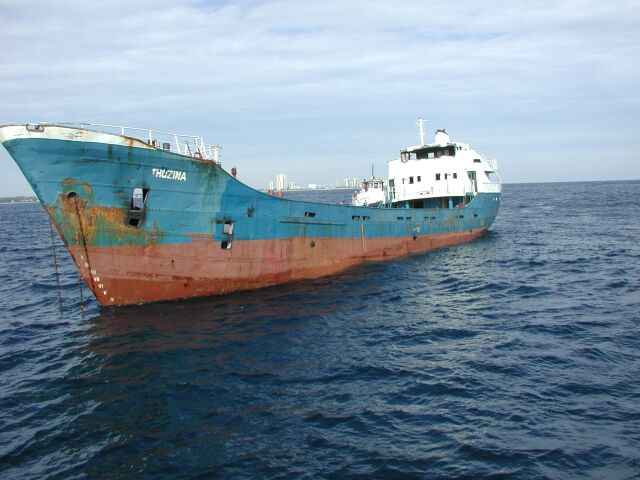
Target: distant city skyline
x,y
549,89
280,183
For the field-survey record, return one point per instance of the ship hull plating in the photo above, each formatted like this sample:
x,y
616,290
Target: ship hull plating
x,y
202,232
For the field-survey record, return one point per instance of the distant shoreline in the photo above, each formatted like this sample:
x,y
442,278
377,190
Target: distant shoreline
x,y
17,200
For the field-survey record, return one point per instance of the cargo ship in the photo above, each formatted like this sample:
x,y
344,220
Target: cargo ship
x,y
152,216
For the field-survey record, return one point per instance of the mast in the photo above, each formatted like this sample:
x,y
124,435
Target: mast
x,y
420,122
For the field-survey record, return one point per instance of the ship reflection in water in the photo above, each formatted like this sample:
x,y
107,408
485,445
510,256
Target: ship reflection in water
x,y
246,380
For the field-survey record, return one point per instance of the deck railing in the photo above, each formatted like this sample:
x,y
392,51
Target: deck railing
x,y
190,145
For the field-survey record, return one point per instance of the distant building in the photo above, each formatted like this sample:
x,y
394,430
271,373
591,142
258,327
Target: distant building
x,y
313,186
294,186
350,182
271,185
281,181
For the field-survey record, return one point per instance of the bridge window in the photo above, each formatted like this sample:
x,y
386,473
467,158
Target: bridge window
x,y
455,175
437,176
419,178
410,179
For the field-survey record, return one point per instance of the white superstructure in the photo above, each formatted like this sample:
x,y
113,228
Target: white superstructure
x,y
442,174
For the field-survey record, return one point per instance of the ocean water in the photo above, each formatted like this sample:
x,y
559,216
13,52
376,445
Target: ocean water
x,y
514,356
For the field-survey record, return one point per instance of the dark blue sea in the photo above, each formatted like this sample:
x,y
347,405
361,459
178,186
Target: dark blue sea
x,y
514,356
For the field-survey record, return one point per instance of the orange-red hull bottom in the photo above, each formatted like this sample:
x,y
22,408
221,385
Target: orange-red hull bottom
x,y
139,274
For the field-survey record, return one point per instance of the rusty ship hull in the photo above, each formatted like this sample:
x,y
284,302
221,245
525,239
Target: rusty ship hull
x,y
198,230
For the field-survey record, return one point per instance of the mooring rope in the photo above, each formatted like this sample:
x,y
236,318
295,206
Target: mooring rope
x,y
55,266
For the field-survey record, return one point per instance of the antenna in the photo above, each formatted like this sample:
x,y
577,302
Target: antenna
x,y
372,171
421,121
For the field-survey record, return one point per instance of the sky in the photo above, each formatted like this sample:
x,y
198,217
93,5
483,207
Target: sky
x,y
322,90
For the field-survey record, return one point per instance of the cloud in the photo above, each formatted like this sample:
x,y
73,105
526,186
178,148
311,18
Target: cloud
x,y
288,85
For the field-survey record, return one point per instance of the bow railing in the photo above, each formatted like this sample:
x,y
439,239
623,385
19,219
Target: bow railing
x,y
190,145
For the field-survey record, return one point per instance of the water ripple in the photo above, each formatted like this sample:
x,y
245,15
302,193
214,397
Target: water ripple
x,y
514,356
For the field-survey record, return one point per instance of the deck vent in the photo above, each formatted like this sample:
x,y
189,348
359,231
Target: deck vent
x,y
33,127
228,228
166,146
225,245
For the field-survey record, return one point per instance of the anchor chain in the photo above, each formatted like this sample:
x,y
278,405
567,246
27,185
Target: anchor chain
x,y
55,266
